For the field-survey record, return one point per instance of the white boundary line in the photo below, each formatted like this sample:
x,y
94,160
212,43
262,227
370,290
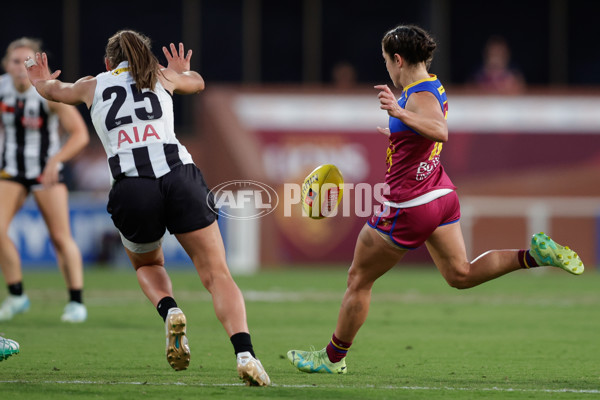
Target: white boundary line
x,y
388,387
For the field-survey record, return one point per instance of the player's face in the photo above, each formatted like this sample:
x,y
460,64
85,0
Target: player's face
x,y
15,67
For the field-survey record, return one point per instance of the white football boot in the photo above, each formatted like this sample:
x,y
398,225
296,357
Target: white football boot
x,y
178,350
13,305
74,312
251,370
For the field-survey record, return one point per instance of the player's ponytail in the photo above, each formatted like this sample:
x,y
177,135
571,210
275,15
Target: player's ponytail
x,y
134,48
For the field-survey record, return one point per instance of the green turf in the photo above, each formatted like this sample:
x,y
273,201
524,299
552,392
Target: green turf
x,y
530,335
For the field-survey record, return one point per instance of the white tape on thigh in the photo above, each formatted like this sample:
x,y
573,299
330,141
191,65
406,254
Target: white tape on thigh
x,y
140,248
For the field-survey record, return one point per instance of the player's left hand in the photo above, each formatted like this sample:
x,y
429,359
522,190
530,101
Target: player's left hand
x,y
49,176
388,101
176,60
384,131
37,69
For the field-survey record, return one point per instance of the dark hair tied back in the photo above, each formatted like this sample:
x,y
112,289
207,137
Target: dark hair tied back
x,y
134,48
411,42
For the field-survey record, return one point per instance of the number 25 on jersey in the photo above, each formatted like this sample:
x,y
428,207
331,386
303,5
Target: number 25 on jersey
x,y
137,132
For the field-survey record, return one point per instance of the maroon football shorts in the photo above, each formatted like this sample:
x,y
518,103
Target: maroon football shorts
x,y
409,228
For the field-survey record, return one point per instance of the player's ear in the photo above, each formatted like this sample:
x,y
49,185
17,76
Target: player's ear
x,y
107,64
398,60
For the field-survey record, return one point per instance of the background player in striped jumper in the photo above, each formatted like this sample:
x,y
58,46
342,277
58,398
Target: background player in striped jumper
x,y
31,161
156,184
422,205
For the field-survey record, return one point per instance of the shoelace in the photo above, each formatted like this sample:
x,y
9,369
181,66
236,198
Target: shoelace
x,y
314,355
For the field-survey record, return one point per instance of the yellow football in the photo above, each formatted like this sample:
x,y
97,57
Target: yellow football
x,y
322,191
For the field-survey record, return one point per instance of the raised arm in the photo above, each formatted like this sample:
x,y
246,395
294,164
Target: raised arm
x,y
52,89
177,77
422,113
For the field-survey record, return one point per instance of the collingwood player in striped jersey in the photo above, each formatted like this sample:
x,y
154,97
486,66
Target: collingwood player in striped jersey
x,y
31,161
156,185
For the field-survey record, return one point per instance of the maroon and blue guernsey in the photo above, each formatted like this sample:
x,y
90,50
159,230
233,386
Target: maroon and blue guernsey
x,y
413,161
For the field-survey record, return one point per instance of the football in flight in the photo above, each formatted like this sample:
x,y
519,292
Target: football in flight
x,y
322,191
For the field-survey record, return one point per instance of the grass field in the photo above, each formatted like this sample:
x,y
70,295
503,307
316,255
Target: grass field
x,y
530,335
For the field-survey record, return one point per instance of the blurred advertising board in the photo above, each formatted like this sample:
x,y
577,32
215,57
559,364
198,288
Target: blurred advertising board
x,y
534,145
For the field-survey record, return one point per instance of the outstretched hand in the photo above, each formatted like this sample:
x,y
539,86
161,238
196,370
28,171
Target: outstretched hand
x,y
388,101
37,69
176,60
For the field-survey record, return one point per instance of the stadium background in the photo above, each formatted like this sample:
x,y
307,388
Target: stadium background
x,y
272,111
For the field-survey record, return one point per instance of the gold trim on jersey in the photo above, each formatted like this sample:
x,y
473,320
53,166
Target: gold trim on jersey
x,y
120,70
389,153
431,78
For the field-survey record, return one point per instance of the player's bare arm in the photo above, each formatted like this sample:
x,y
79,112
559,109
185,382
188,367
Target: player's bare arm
x,y
422,113
73,123
177,77
53,89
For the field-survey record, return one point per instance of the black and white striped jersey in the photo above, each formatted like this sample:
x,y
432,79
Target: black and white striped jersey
x,y
29,131
136,128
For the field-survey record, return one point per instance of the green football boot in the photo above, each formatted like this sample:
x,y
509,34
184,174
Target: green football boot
x,y
315,361
8,348
546,251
